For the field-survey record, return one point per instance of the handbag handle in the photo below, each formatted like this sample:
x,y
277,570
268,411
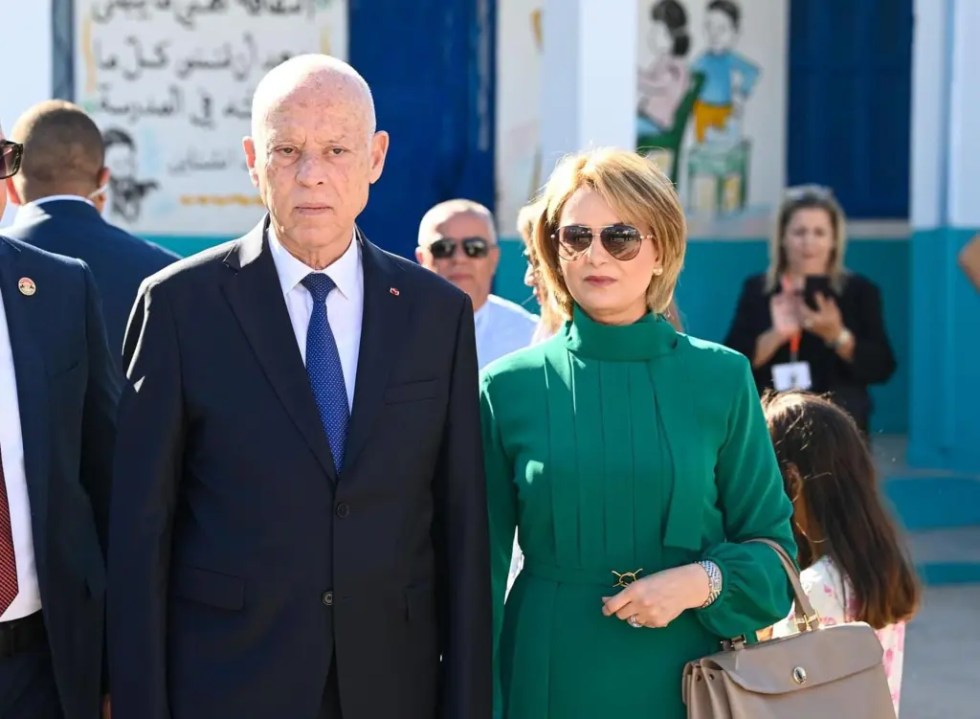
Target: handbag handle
x,y
806,618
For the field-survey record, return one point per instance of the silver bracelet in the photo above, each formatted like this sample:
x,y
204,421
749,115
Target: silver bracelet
x,y
714,580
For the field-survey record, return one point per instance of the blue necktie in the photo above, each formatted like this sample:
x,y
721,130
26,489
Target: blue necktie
x,y
324,368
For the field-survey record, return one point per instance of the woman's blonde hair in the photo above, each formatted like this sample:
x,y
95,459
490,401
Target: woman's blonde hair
x,y
805,197
639,192
527,218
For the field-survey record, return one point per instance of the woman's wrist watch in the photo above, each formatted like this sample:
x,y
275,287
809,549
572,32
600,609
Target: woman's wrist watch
x,y
842,339
714,581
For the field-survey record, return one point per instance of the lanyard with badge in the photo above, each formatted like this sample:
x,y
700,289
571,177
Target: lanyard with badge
x,y
793,374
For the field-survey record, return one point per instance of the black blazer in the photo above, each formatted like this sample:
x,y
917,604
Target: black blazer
x,y
241,564
860,307
118,260
67,390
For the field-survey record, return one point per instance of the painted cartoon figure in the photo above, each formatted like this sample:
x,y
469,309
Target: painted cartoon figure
x,y
728,77
663,83
126,193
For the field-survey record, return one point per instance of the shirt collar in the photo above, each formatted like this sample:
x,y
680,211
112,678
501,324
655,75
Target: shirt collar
x,y
343,271
55,198
482,315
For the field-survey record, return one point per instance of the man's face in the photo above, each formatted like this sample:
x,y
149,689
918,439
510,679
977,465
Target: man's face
x,y
462,249
313,160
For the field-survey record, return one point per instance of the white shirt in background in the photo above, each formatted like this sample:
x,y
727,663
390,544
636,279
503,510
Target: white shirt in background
x,y
502,327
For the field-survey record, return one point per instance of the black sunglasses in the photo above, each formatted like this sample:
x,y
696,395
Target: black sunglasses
x,y
622,242
444,248
11,154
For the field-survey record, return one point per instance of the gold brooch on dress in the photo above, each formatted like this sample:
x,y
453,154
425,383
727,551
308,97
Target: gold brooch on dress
x,y
626,578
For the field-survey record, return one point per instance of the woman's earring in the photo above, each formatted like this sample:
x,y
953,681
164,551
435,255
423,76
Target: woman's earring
x,y
658,271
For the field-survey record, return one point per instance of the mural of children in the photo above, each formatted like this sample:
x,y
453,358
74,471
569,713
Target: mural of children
x,y
663,83
728,76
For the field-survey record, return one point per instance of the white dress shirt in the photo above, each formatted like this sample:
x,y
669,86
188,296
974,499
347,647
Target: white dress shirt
x,y
345,305
28,599
502,327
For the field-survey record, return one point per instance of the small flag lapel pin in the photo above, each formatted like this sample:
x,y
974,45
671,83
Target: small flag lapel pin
x,y
394,291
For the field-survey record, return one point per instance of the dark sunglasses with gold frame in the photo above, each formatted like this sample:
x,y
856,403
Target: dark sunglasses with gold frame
x,y
474,247
621,241
11,154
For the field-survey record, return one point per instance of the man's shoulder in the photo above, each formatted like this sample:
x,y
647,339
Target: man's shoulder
x,y
512,311
188,271
35,256
86,234
147,252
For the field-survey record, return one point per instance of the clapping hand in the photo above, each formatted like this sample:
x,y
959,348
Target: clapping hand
x,y
784,309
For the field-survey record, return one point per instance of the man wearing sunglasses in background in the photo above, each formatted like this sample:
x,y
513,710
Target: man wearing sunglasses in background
x,y
60,188
457,241
58,393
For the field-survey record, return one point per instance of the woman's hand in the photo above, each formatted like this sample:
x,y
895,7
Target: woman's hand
x,y
657,600
784,310
826,322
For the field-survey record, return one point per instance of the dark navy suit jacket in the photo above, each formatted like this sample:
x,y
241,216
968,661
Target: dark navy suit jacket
x,y
67,390
118,260
242,564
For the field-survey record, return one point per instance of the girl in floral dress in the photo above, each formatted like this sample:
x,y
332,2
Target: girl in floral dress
x,y
855,568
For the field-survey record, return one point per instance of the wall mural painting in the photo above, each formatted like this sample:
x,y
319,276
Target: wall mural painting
x,y
170,86
711,103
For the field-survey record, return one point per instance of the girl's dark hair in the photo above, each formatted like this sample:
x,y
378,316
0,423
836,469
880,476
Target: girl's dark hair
x,y
729,8
838,511
672,14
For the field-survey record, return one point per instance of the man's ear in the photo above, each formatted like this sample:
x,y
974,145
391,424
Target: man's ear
x,y
12,193
494,259
248,145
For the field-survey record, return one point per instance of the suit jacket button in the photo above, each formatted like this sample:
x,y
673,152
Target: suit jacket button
x,y
343,510
327,599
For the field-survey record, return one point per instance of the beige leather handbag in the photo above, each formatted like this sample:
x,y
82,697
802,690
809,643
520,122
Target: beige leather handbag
x,y
821,672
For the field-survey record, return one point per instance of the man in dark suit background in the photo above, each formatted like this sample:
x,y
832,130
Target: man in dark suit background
x,y
62,176
58,393
299,523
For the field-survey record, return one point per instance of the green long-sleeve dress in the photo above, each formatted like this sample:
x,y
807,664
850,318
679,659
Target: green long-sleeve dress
x,y
616,448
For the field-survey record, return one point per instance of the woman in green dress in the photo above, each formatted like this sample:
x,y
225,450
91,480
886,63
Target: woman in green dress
x,y
632,460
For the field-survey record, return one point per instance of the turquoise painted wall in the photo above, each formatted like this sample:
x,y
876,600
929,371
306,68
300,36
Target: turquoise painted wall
x,y
944,430
713,275
709,287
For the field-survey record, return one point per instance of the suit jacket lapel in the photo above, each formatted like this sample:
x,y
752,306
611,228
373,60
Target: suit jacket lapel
x,y
385,323
255,295
25,317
